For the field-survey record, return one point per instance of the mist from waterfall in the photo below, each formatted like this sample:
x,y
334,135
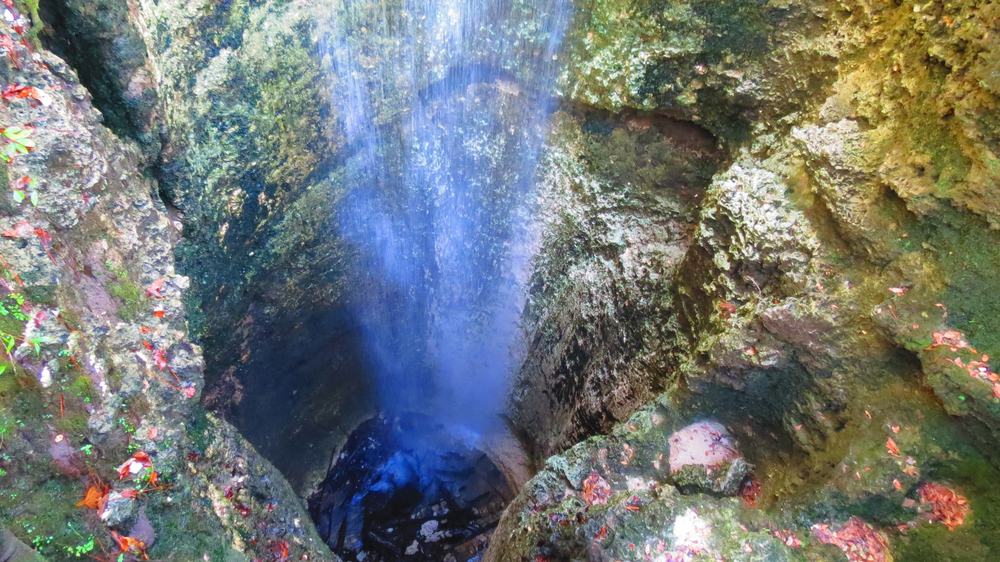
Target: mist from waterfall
x,y
444,105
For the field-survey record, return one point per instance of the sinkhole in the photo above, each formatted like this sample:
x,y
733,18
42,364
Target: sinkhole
x,y
410,487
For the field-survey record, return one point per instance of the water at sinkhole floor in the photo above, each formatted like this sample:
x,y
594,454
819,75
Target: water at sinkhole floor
x,y
408,487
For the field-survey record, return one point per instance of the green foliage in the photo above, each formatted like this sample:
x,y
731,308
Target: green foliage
x,y
17,141
30,7
26,189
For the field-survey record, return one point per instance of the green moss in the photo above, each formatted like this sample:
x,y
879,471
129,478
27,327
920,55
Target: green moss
x,y
41,294
73,425
30,7
737,26
130,295
82,388
287,116
186,530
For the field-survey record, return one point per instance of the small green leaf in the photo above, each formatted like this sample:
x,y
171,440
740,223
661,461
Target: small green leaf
x,y
19,196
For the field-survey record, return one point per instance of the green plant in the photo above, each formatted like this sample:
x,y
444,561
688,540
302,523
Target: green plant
x,y
17,141
85,546
11,306
126,425
26,187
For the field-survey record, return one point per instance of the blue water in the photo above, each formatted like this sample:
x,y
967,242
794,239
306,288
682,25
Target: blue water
x,y
444,105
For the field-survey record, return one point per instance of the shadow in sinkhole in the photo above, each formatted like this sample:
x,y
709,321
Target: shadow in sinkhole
x,y
410,487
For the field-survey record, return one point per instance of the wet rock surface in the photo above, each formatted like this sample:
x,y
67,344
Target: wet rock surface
x,y
410,488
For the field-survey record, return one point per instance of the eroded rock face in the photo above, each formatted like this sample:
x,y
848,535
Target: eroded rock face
x,y
617,205
99,391
827,255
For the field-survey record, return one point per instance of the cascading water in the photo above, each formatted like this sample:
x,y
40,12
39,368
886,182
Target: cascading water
x,y
444,104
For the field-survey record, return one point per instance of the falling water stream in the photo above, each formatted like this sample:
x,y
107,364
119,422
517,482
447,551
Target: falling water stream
x,y
445,101
445,104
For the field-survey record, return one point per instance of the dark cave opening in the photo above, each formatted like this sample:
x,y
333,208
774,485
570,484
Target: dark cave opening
x,y
410,487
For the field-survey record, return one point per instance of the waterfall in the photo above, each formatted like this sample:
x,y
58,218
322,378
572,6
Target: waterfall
x,y
444,107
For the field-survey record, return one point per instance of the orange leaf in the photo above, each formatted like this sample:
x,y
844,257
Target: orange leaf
x,y
94,497
891,447
130,545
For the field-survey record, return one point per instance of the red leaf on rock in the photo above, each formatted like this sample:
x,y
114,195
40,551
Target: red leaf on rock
x,y
947,506
634,504
44,236
130,545
134,465
788,538
859,541
15,92
596,489
280,550
950,338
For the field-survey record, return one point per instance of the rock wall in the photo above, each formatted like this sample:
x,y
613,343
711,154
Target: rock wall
x,y
827,308
105,448
250,160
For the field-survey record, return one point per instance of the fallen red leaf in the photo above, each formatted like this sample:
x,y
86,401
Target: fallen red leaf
x,y
16,91
789,538
947,506
159,313
950,338
891,447
280,550
858,540
134,465
596,489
